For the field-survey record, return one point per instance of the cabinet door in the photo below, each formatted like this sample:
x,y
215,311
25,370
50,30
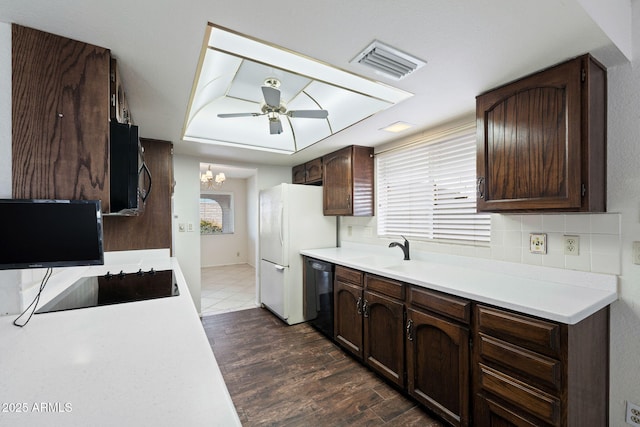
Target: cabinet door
x,y
298,174
384,336
338,182
348,316
529,142
60,117
314,171
438,365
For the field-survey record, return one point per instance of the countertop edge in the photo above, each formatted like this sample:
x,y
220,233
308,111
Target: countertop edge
x,y
490,287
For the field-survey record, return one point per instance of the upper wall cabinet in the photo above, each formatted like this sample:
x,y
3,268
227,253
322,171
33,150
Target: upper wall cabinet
x,y
308,173
542,141
348,182
60,145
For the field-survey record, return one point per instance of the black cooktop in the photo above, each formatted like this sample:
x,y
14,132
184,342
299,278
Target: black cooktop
x,y
111,288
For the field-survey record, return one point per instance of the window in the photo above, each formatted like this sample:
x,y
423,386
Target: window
x,y
216,213
426,190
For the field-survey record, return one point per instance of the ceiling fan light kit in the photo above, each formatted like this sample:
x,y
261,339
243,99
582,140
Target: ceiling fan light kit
x,y
273,106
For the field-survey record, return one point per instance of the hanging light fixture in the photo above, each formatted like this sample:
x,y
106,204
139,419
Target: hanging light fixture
x,y
212,181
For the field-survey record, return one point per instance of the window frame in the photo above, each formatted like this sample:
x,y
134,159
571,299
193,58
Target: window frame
x,y
448,214
228,215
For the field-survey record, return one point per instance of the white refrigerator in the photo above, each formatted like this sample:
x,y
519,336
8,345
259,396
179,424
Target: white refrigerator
x,y
291,219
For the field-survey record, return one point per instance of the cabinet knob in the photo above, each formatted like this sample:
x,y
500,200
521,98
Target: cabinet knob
x,y
60,115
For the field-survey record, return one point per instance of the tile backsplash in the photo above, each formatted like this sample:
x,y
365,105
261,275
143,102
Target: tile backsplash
x,y
599,234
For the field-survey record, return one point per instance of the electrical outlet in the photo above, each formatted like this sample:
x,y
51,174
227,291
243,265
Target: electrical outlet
x,y
572,245
538,243
633,414
190,227
636,252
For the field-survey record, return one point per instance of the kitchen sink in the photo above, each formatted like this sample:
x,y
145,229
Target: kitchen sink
x,y
377,261
409,267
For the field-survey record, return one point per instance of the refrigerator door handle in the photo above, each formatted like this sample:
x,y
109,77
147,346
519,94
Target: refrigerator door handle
x,y
279,267
281,224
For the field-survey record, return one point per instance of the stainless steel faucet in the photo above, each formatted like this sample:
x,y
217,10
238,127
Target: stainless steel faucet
x,y
404,247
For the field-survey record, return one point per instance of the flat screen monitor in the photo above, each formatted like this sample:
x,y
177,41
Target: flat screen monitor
x,y
50,233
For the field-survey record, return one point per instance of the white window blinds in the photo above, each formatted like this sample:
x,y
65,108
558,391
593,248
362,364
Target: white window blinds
x,y
427,191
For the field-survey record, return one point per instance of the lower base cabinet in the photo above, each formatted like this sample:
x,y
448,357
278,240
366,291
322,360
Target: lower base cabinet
x,y
473,364
529,371
438,359
438,365
369,321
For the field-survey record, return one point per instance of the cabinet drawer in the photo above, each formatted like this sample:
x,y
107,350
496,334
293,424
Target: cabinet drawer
x,y
349,275
529,364
385,286
534,334
534,401
447,305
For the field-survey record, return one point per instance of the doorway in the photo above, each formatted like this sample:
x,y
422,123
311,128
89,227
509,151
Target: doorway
x,y
228,239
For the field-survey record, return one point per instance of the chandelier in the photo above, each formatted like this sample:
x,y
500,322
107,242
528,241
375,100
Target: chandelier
x,y
212,181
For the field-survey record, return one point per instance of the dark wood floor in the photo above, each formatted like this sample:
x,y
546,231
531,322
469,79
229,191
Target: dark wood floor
x,y
281,375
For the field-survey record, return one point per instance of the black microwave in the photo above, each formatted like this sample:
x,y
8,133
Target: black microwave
x,y
130,179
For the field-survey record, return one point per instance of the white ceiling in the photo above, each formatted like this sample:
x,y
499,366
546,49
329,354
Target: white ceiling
x,y
469,46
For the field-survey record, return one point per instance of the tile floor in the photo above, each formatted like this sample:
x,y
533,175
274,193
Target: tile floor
x,y
227,288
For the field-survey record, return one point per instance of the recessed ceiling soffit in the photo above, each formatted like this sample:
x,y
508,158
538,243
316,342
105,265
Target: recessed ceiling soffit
x,y
230,106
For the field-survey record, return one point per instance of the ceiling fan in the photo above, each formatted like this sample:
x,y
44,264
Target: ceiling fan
x,y
272,107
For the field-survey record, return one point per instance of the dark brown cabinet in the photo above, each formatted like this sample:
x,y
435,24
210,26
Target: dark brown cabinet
x,y
369,321
153,229
474,364
530,371
60,110
347,305
308,173
383,316
348,182
542,141
438,361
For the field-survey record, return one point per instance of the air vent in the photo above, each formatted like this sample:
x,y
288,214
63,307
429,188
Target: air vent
x,y
388,61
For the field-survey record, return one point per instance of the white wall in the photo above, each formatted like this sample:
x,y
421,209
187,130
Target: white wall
x,y
226,249
252,221
186,209
624,197
9,280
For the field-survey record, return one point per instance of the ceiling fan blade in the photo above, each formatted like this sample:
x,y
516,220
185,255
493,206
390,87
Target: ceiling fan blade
x,y
309,114
229,115
271,96
275,127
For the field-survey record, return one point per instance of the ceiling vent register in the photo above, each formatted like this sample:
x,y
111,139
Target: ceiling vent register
x,y
388,60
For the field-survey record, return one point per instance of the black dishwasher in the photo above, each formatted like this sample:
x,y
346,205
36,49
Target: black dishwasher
x,y
318,288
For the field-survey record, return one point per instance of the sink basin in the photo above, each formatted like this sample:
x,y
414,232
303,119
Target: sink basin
x,y
408,267
377,261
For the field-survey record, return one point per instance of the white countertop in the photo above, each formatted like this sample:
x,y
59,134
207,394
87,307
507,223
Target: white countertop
x,y
145,363
565,296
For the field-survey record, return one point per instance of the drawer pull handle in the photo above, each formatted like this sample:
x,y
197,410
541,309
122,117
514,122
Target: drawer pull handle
x,y
359,305
410,330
